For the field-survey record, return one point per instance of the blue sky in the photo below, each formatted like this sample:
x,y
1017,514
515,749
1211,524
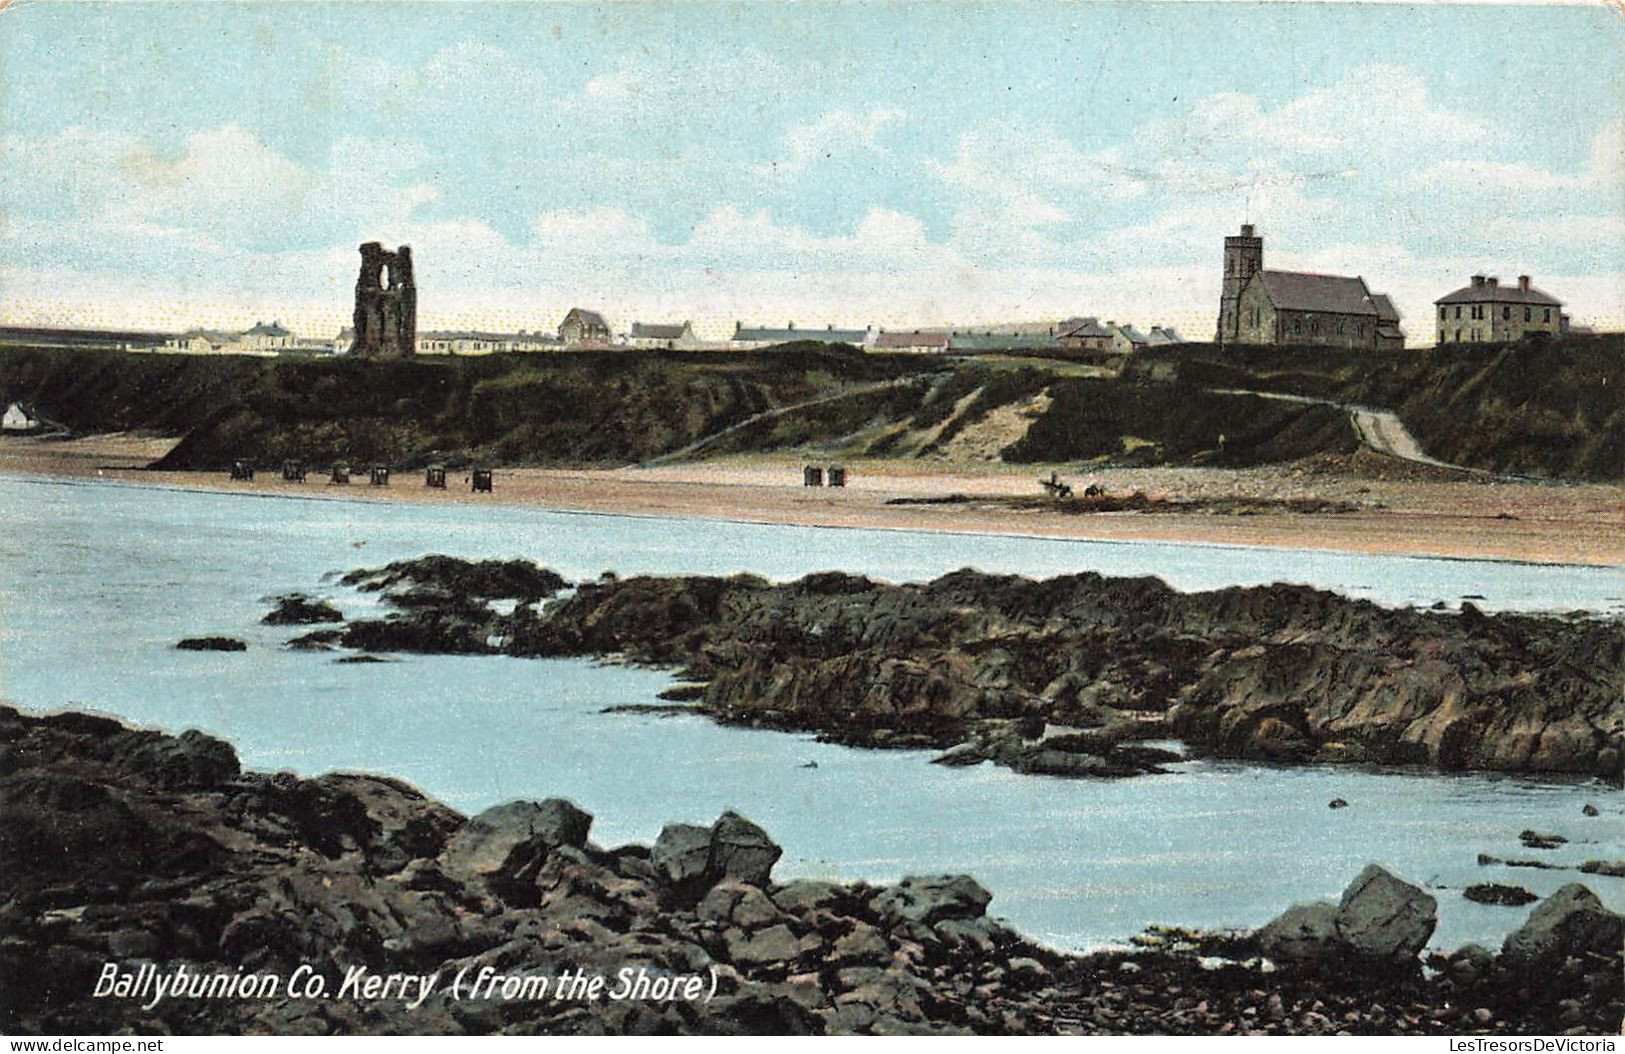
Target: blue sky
x,y
171,164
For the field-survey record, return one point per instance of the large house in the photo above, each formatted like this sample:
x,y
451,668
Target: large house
x,y
1485,310
766,336
1083,334
581,326
268,336
1261,306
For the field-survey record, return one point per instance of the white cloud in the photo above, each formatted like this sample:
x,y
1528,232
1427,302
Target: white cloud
x,y
836,134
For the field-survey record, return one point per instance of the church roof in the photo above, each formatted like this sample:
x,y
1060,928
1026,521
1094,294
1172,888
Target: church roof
x,y
1333,294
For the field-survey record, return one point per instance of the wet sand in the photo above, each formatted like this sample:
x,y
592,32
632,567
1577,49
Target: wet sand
x,y
1479,519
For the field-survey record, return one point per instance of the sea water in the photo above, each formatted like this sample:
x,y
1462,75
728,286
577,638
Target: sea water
x,y
98,582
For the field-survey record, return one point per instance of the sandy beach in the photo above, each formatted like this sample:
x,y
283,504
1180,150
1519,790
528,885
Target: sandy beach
x,y
1395,508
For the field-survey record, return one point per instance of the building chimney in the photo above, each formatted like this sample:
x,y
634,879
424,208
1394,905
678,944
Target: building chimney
x,y
1523,282
1246,230
1495,283
1478,281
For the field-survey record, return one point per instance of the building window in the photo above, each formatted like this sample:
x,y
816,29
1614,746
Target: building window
x,y
1441,336
1548,317
1443,312
1526,313
1458,315
1506,313
1458,336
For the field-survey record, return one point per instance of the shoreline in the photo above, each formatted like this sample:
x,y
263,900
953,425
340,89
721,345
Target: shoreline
x,y
1193,543
1551,524
368,872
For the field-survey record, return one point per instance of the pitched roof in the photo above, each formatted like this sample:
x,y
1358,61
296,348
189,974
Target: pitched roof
x,y
659,330
213,336
915,339
1499,294
1386,311
586,317
271,329
1134,336
1164,335
1331,293
1083,327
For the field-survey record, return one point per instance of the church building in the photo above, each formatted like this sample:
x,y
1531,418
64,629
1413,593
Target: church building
x,y
1260,306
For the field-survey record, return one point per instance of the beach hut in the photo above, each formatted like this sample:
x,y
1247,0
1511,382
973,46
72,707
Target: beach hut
x,y
341,474
837,475
293,471
812,476
242,468
482,480
435,476
379,477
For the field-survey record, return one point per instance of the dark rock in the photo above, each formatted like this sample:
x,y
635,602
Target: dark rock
x,y
1383,917
485,843
1302,933
1541,840
1493,893
803,896
297,609
448,576
930,900
1036,675
682,854
211,644
317,640
1589,809
1608,868
1569,922
1379,919
1337,803
741,850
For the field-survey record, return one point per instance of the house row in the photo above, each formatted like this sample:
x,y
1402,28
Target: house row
x,y
265,338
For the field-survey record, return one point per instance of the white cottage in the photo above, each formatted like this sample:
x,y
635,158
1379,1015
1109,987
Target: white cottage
x,y
18,419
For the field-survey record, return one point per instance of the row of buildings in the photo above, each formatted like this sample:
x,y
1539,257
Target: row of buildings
x,y
1263,306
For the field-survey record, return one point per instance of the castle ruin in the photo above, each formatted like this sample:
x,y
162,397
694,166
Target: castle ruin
x,y
386,307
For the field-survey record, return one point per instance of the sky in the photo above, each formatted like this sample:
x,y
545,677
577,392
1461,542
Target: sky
x,y
168,165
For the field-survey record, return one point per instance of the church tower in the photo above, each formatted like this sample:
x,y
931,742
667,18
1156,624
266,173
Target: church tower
x,y
1243,258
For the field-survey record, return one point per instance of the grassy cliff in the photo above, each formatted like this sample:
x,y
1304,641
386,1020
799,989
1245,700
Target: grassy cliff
x,y
1549,409
585,408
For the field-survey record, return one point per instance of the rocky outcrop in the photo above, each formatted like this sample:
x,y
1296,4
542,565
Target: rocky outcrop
x,y
297,609
136,848
210,644
1570,924
1066,676
1380,921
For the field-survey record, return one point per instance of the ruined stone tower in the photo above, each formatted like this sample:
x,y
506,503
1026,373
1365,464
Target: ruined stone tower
x,y
1243,257
386,309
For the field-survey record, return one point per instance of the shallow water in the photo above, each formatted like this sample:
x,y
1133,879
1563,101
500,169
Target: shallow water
x,y
97,582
